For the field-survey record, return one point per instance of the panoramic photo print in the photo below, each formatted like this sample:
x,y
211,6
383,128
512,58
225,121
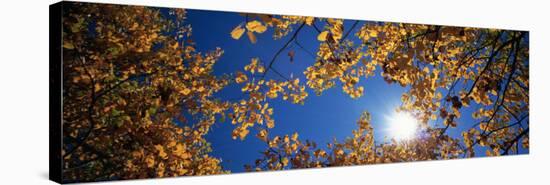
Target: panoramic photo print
x,y
152,92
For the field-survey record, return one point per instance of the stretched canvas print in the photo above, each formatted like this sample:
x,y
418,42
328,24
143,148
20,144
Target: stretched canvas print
x,y
146,92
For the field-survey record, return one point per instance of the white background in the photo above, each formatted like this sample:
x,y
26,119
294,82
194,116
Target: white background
x,y
24,90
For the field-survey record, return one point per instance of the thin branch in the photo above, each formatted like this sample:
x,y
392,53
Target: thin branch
x,y
516,139
351,29
494,53
281,50
303,48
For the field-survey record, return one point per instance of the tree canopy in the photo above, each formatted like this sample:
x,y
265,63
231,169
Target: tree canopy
x,y
139,98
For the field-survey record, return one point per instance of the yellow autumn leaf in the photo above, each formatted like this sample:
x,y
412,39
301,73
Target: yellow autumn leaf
x,y
68,45
253,66
255,26
309,20
185,91
270,123
243,134
284,161
241,77
97,87
525,142
185,155
262,135
295,136
160,149
251,37
373,33
175,45
320,153
237,32
339,152
286,139
179,148
182,171
322,36
172,143
150,161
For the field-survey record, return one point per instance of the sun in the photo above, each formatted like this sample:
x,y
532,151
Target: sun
x,y
402,126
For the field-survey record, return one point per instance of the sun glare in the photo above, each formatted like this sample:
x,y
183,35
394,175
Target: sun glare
x,y
403,126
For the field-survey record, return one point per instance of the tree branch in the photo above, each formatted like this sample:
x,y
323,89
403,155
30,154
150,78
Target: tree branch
x,y
281,50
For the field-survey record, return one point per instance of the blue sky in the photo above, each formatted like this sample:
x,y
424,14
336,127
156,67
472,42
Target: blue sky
x,y
320,119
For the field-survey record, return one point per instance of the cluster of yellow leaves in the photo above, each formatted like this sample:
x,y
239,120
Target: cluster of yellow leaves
x,y
251,28
336,28
430,58
275,88
255,110
247,114
277,157
334,57
125,104
341,64
281,25
241,77
349,83
425,58
289,152
469,140
254,66
290,90
255,26
296,92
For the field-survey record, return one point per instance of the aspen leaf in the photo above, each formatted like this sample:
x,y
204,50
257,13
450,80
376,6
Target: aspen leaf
x,y
160,149
251,37
262,135
270,124
183,171
241,77
309,20
286,139
150,161
175,45
525,142
295,136
284,161
243,134
185,91
237,32
172,143
68,45
322,36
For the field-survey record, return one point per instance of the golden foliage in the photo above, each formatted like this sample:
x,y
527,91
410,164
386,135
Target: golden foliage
x,y
123,110
487,68
140,98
